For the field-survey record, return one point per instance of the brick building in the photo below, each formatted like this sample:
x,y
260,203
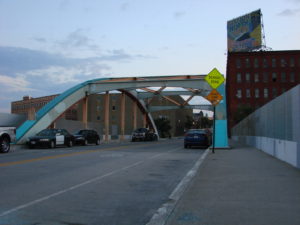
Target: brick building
x,y
96,104
255,78
28,106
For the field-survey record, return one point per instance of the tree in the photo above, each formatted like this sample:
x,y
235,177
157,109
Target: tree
x,y
202,122
201,114
189,122
163,126
205,122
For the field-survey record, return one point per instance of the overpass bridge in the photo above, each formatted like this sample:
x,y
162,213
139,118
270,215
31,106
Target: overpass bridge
x,y
138,89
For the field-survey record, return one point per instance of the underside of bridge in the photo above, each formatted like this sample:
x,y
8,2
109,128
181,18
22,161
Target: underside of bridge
x,y
142,90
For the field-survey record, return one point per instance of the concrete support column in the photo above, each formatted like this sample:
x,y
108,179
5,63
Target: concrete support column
x,y
85,112
134,108
122,116
31,113
106,115
221,136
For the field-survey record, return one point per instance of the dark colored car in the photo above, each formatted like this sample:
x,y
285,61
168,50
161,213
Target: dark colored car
x,y
143,134
51,138
85,137
197,137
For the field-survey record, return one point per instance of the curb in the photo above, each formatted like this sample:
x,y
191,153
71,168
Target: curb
x,y
161,216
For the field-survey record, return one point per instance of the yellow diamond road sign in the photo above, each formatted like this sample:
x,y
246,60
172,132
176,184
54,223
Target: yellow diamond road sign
x,y
214,97
214,78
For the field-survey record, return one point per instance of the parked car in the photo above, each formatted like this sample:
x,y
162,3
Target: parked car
x,y
85,137
144,134
197,137
7,135
51,138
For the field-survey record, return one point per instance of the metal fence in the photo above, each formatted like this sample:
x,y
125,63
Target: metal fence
x,y
279,119
274,128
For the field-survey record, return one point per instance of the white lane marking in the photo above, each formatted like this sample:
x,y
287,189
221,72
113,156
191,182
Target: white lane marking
x,y
163,213
79,185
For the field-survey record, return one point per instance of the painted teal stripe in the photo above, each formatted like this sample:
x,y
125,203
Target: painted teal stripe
x,y
23,128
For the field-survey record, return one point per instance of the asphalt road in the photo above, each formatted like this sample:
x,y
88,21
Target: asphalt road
x,y
110,184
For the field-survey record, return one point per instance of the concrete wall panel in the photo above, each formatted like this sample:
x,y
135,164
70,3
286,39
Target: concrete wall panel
x,y
274,128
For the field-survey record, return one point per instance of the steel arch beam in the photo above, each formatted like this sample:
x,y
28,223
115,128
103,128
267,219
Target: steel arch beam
x,y
49,113
159,108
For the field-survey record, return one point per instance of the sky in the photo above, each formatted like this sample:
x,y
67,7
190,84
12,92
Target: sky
x,y
49,46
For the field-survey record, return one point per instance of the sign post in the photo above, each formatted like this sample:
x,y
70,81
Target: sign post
x,y
214,79
214,132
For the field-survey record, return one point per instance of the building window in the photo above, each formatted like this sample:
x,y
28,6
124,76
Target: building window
x,y
239,93
256,77
113,108
282,62
274,92
265,63
273,63
256,93
248,93
239,77
292,77
292,62
283,77
274,77
256,65
238,63
266,94
265,77
247,77
247,61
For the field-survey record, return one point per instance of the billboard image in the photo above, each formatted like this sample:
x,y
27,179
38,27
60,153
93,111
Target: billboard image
x,y
245,32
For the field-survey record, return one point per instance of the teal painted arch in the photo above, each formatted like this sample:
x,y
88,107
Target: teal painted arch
x,y
28,128
51,111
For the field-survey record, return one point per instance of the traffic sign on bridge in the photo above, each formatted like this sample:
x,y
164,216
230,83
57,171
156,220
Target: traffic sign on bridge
x,y
214,78
214,97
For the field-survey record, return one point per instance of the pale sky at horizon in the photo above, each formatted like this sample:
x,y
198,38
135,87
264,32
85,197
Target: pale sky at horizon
x,y
48,46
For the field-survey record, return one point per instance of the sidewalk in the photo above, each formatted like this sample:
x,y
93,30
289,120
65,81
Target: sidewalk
x,y
241,186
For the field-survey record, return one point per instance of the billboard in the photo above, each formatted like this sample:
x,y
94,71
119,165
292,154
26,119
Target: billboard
x,y
245,32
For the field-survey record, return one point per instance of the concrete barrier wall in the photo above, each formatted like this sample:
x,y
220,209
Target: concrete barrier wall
x,y
287,151
274,128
